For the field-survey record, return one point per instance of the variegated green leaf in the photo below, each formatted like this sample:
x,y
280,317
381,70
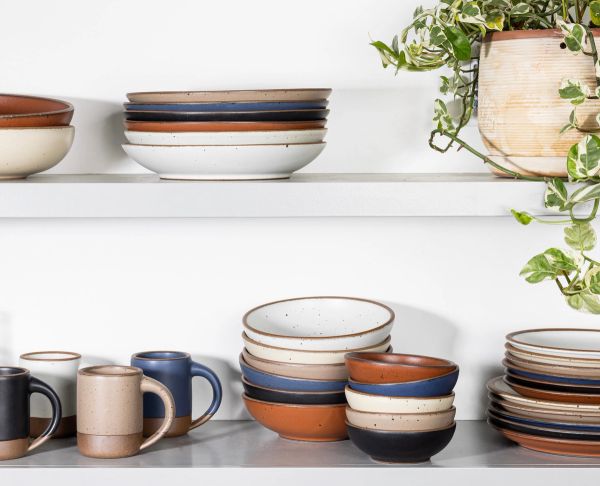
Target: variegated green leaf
x,y
592,280
522,217
548,266
574,90
585,194
437,36
595,12
574,35
580,237
520,9
572,122
556,196
441,116
591,302
495,21
583,161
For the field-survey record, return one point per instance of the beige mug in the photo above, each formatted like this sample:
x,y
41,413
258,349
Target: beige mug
x,y
110,411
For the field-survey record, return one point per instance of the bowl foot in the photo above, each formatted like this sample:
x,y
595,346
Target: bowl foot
x,y
312,439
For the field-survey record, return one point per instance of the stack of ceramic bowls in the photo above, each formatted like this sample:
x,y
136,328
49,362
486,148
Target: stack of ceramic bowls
x,y
293,362
226,135
34,134
400,407
549,398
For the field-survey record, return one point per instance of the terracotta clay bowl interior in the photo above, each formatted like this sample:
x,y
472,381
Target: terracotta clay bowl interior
x,y
295,94
400,422
395,368
563,447
401,447
32,111
224,126
553,396
283,396
312,423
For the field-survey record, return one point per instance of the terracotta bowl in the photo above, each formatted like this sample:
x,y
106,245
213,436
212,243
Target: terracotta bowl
x,y
32,111
395,368
312,423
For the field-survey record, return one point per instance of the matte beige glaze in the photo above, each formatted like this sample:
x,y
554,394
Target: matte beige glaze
x,y
300,94
13,449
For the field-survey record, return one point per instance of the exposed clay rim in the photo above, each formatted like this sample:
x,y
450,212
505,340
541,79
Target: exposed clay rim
x,y
526,34
537,427
548,439
293,405
166,103
549,392
180,355
510,374
18,371
308,110
34,356
512,358
512,337
401,432
279,90
441,397
286,364
311,393
342,351
245,363
109,371
239,145
412,382
373,358
58,127
417,414
67,106
509,347
387,308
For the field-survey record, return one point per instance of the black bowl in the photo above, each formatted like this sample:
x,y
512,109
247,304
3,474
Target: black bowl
x,y
400,447
292,397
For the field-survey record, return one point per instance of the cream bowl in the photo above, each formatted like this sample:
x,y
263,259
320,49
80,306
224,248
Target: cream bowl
x,y
569,343
319,323
401,421
286,355
365,402
26,151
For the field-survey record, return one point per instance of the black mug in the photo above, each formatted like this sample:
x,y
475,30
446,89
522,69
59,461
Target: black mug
x,y
16,385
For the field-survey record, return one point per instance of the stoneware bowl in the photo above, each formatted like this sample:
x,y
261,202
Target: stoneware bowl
x,y
335,372
314,423
184,116
224,126
224,162
565,370
32,111
303,94
226,138
235,106
401,447
570,343
269,380
400,422
551,375
395,368
365,402
26,151
430,387
301,398
319,323
551,360
306,357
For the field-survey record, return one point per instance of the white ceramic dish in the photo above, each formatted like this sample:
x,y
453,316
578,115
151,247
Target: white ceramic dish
x,y
574,416
285,355
26,151
551,369
224,162
302,94
571,343
365,402
401,422
226,138
552,360
319,323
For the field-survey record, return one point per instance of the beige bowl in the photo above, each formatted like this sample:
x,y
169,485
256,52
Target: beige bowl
x,y
26,151
401,421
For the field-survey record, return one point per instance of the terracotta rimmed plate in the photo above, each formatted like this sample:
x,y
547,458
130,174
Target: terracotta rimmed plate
x,y
551,360
514,378
564,447
570,343
152,126
552,369
553,396
284,115
302,94
32,111
573,415
549,374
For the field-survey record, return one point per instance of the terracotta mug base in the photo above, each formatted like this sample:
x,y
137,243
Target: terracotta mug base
x,y
13,449
66,428
109,446
180,426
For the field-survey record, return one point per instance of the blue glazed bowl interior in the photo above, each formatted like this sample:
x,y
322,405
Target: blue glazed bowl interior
x,y
432,387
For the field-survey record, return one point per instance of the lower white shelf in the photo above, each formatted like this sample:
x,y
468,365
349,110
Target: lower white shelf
x,y
221,452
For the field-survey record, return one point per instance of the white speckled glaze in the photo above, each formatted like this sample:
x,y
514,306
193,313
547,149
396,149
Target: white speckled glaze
x,y
575,343
365,402
401,422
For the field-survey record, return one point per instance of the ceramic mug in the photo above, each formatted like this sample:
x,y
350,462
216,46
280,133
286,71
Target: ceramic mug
x,y
16,386
109,411
175,370
59,370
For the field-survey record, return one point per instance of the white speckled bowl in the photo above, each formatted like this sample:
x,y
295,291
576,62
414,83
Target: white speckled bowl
x,y
401,422
366,402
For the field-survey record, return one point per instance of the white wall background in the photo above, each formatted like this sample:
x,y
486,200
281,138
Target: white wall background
x,y
108,288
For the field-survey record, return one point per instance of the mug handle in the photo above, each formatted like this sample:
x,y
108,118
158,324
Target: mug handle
x,y
38,386
150,385
203,371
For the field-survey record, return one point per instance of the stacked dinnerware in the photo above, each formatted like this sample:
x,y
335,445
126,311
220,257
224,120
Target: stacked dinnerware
x,y
226,135
549,398
400,407
34,134
293,362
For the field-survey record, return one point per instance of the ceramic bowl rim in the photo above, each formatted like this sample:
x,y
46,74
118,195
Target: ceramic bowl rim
x,y
511,337
230,133
402,432
125,371
245,337
401,397
253,112
552,392
510,374
286,364
494,407
549,439
509,356
508,346
552,411
179,103
547,429
213,145
413,414
508,362
293,405
391,318
356,356
291,392
68,107
222,91
31,356
177,355
49,128
412,382
245,363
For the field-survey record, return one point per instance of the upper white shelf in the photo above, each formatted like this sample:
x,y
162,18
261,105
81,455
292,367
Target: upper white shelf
x,y
304,195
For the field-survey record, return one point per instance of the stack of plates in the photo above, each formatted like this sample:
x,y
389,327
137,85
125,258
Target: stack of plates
x,y
549,398
293,362
226,135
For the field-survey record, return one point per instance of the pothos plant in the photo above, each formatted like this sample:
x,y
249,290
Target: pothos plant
x,y
448,36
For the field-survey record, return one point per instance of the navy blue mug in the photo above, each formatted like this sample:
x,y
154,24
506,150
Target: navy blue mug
x,y
175,370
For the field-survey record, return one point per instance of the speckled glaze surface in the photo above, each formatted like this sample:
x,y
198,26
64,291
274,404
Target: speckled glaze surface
x,y
296,94
400,422
367,402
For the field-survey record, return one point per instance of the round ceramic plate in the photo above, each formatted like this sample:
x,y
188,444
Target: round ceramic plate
x,y
564,447
243,106
552,395
513,378
552,360
182,116
552,369
225,162
549,376
222,126
574,343
569,416
309,94
226,138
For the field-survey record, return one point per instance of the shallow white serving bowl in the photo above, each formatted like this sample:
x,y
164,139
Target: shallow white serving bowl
x,y
26,151
366,402
401,421
574,343
319,323
226,138
224,162
286,355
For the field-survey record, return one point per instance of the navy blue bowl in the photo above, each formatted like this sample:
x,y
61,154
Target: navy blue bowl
x,y
431,387
183,116
285,383
299,398
242,106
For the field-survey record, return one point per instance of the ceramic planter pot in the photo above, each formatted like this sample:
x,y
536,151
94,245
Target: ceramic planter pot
x,y
520,113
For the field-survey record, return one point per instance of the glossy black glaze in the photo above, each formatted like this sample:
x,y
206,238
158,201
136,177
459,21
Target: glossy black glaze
x,y
300,398
286,115
400,447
